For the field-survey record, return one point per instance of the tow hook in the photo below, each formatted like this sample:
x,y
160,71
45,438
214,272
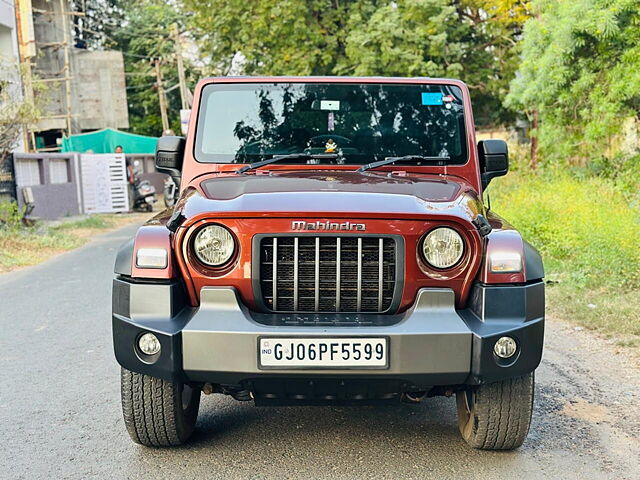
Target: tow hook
x,y
413,397
207,389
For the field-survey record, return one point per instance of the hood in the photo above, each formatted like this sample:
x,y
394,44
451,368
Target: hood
x,y
428,188
334,194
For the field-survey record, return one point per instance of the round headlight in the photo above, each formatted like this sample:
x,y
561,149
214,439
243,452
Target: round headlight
x,y
214,245
443,247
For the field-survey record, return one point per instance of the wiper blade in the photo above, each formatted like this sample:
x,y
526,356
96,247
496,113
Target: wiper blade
x,y
405,158
290,156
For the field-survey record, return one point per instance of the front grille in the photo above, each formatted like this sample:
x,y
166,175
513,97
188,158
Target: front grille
x,y
327,273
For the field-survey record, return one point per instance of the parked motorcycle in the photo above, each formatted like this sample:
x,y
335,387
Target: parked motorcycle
x,y
170,192
144,194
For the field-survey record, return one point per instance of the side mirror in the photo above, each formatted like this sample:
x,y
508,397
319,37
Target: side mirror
x,y
169,156
494,160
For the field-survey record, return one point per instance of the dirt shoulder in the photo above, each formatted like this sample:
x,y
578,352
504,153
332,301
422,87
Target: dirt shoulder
x,y
588,401
23,247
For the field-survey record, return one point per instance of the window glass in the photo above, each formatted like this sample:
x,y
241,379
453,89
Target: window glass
x,y
240,123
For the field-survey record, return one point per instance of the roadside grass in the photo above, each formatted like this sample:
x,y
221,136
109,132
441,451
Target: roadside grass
x,y
588,233
22,246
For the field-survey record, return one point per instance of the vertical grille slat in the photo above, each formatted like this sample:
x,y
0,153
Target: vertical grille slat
x,y
380,272
275,273
338,261
327,273
359,279
317,276
295,274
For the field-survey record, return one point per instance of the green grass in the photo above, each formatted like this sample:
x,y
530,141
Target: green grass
x,y
589,235
21,246
94,221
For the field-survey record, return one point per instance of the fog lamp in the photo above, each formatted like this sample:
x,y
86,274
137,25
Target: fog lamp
x,y
149,344
505,347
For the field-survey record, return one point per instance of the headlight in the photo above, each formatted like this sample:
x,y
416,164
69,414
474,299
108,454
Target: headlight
x,y
214,245
443,247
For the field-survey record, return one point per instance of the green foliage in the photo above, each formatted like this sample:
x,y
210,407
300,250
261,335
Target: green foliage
x,y
471,39
10,216
93,221
581,70
21,245
143,37
16,111
586,230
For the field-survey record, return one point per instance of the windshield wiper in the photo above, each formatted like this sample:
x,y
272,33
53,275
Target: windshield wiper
x,y
406,158
290,156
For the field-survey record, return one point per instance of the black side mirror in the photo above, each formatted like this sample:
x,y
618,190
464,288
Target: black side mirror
x,y
169,156
494,160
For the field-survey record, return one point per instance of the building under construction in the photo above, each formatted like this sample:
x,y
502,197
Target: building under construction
x,y
84,90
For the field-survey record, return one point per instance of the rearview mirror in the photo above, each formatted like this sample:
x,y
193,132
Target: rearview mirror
x,y
169,156
494,160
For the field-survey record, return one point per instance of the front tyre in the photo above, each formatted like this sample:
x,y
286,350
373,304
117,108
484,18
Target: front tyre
x,y
496,416
158,413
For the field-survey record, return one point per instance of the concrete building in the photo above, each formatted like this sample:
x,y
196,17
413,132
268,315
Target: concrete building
x,y
9,49
8,39
86,90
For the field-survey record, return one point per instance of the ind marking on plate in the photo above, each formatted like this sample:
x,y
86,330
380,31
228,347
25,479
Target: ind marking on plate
x,y
429,98
329,104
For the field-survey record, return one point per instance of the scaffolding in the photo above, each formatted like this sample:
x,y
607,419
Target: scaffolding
x,y
44,47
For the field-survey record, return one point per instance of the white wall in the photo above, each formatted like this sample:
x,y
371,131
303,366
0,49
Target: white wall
x,y
9,42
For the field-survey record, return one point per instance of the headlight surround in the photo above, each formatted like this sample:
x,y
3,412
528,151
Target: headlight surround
x,y
442,247
214,245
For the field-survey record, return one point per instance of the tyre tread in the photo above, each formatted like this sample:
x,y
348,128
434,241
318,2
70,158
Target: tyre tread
x,y
501,414
152,410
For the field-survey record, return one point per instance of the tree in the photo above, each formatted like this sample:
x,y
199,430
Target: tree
x,y
273,37
16,111
472,39
96,20
580,71
143,37
141,31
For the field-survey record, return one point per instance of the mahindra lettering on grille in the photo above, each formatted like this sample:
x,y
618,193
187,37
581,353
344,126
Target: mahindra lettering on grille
x,y
327,273
339,226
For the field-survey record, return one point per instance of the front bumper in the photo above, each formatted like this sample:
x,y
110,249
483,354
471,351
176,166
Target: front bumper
x,y
431,344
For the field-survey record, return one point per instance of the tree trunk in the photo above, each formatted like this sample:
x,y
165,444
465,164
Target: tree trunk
x,y
534,140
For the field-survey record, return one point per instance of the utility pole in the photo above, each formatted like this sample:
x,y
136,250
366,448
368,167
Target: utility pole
x,y
161,97
67,66
184,90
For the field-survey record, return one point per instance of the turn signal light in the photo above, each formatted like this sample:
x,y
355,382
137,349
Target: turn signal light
x,y
505,262
151,258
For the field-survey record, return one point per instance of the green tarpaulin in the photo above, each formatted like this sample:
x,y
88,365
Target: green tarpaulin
x,y
106,141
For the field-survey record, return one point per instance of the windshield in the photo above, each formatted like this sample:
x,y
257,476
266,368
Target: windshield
x,y
244,123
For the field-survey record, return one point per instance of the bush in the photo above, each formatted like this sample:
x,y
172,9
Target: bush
x,y
10,215
585,228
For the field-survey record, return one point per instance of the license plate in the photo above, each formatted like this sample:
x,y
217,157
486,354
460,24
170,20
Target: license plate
x,y
323,353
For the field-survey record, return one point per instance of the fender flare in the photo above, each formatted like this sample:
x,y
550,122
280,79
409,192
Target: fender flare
x,y
533,265
124,258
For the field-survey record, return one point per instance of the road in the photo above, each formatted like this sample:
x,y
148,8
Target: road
x,y
60,409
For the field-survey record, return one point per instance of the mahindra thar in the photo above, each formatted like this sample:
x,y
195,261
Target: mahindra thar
x,y
330,245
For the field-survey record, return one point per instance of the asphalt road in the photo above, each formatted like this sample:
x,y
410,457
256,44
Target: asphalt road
x,y
60,408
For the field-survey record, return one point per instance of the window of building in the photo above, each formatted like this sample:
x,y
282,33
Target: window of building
x,y
28,172
59,170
